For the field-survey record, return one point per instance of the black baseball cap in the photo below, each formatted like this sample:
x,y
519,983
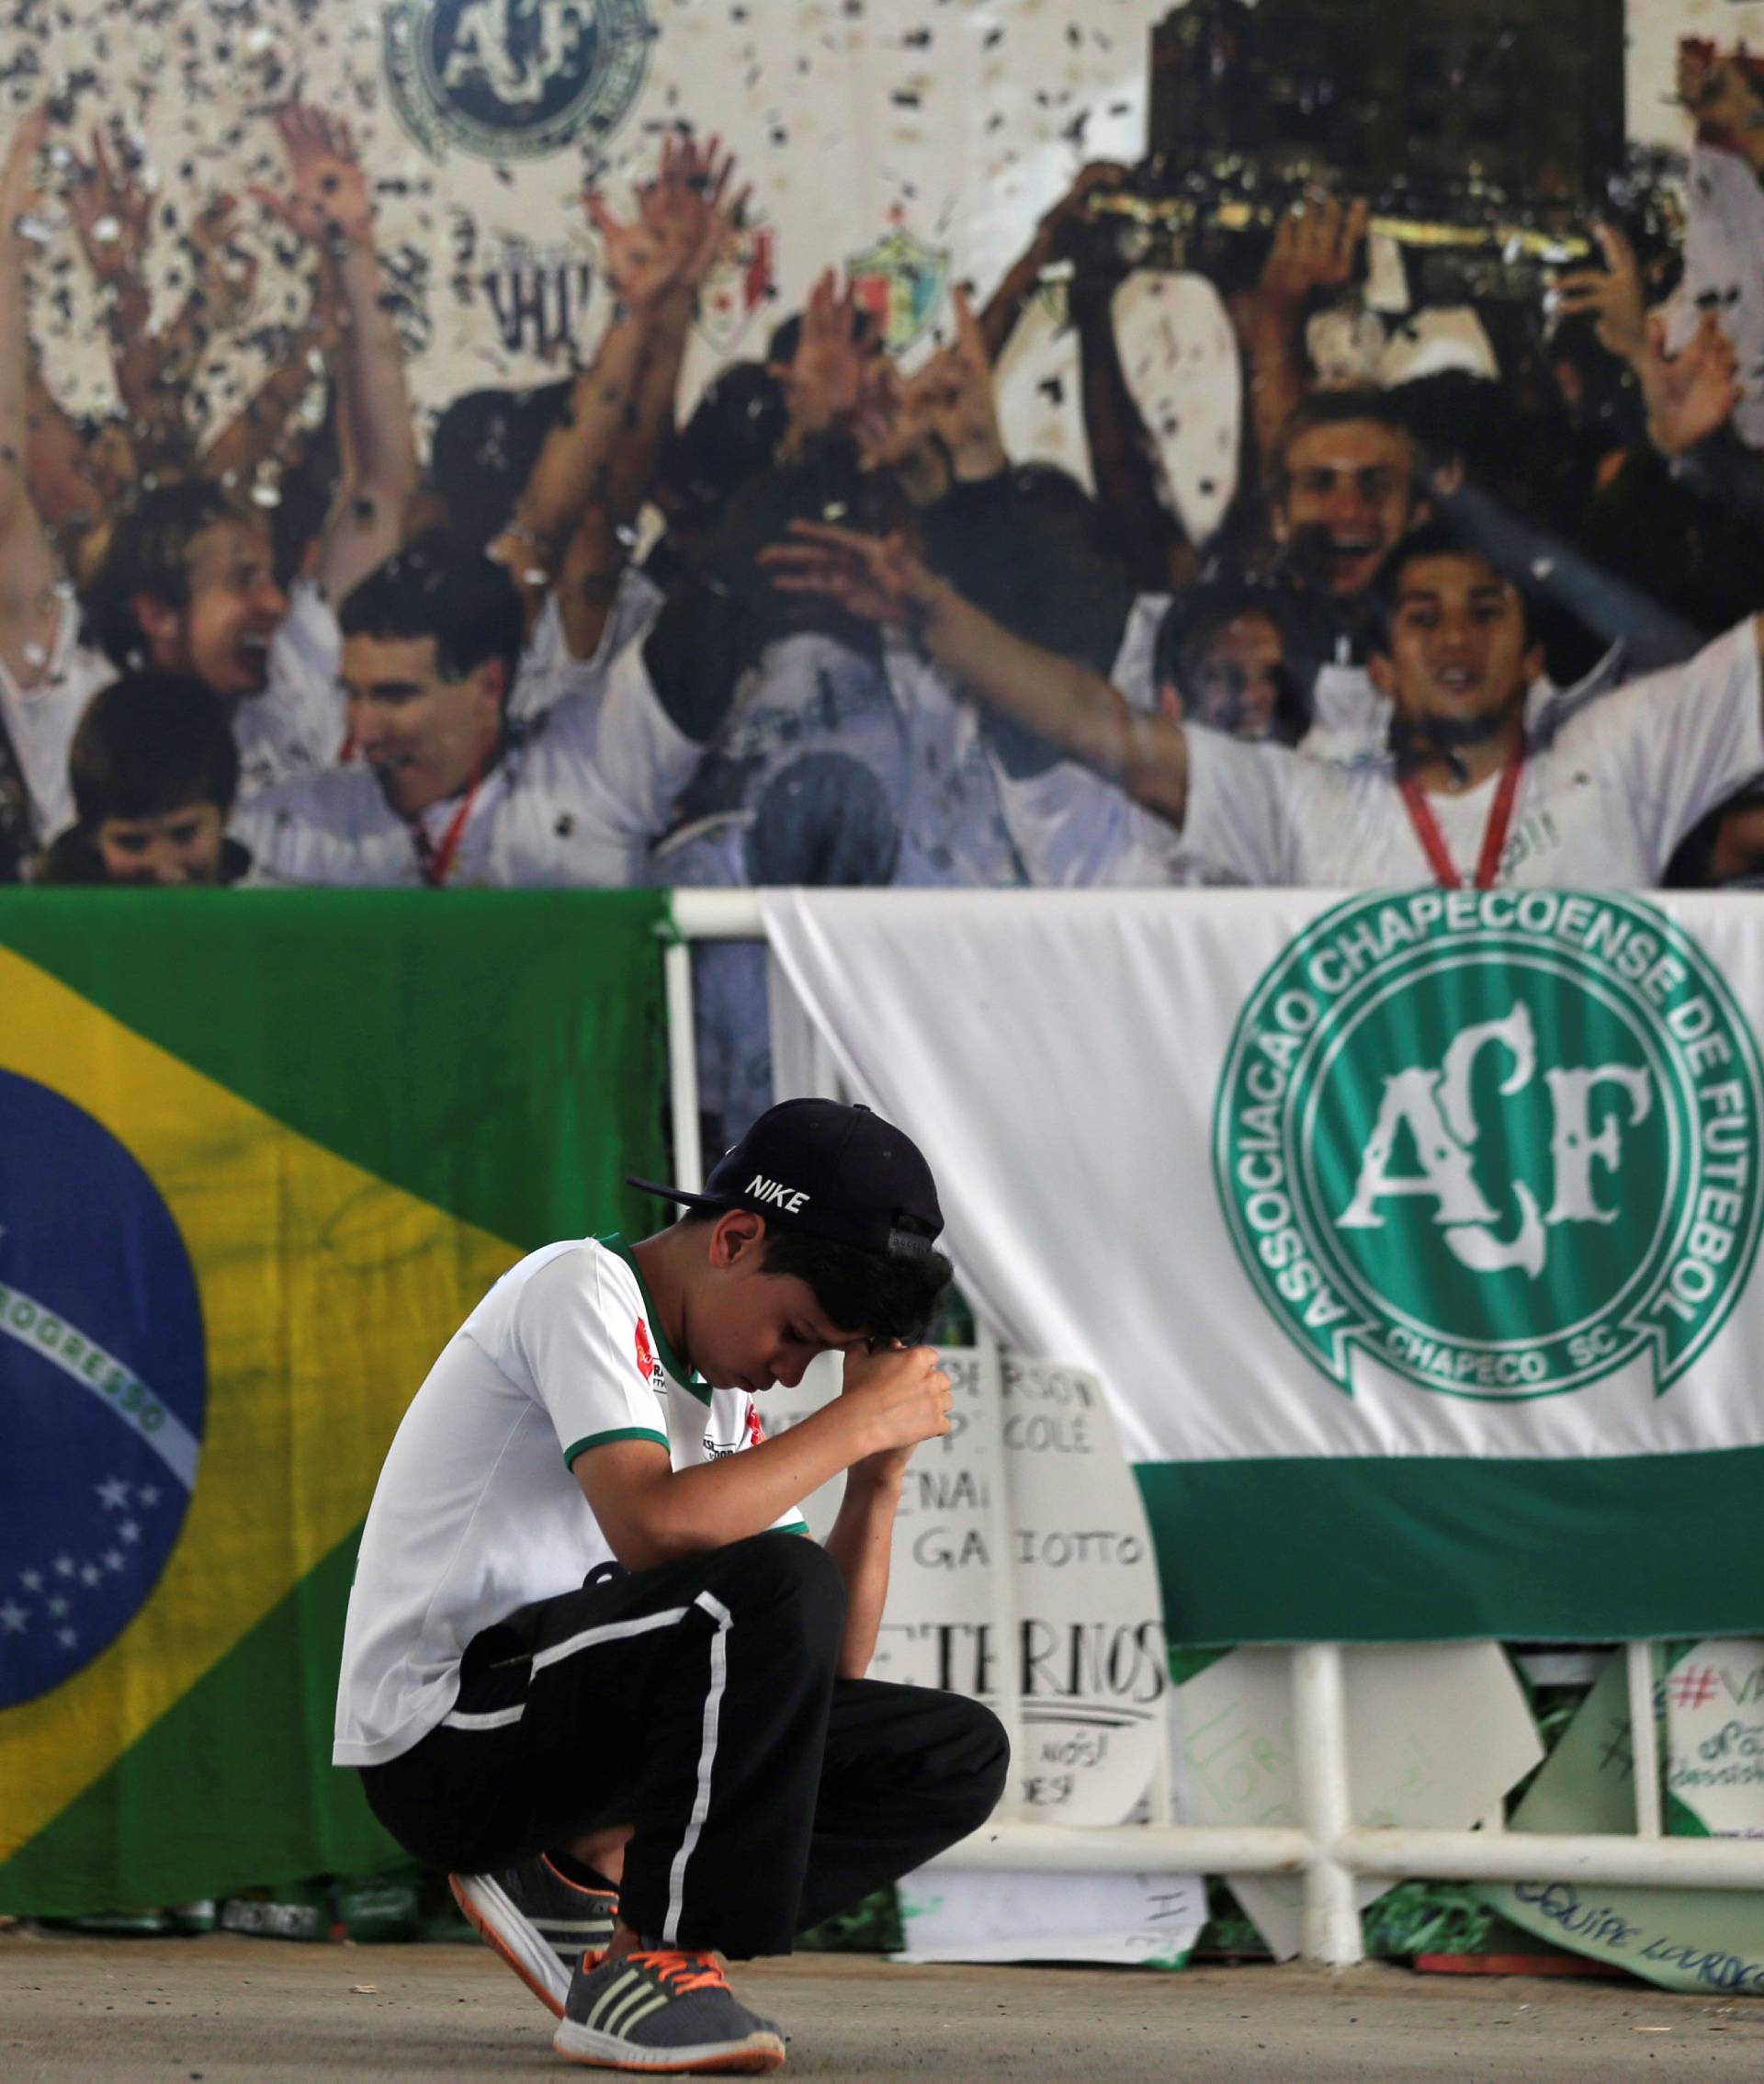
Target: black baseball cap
x,y
832,1170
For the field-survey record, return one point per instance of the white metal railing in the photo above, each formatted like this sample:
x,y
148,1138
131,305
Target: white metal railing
x,y
1329,1851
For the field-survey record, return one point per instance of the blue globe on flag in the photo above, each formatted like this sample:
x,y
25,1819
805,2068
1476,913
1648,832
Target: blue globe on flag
x,y
103,1387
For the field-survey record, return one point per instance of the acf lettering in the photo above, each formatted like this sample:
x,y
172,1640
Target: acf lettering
x,y
1437,1109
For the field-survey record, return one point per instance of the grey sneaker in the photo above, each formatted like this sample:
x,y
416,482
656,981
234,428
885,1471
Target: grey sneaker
x,y
539,1922
661,2012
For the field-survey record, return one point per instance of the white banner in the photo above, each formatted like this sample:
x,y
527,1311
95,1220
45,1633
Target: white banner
x,y
1456,1191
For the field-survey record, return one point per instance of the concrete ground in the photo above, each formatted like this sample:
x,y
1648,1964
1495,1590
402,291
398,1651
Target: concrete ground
x,y
233,2011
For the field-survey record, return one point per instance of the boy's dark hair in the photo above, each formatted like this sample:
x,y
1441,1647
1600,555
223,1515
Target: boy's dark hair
x,y
1336,409
433,588
148,744
148,552
855,1290
1440,539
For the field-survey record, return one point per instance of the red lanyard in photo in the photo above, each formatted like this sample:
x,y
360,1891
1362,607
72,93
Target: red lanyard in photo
x,y
1494,836
435,857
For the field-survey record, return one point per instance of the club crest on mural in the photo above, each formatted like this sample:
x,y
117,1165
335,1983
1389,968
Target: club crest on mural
x,y
1506,1143
744,280
539,295
900,282
514,78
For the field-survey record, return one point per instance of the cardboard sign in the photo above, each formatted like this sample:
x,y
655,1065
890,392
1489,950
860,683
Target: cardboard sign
x,y
1683,1939
1712,1698
1151,1920
1437,1733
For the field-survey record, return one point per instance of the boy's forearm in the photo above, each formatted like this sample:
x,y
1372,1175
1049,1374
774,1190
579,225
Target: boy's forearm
x,y
860,1543
688,1511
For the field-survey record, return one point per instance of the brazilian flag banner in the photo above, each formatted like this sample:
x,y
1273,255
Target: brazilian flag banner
x,y
259,1155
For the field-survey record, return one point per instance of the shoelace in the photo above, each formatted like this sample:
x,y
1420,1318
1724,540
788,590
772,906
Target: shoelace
x,y
682,1971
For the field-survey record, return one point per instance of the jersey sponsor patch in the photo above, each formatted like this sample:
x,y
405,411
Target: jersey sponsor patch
x,y
755,1431
648,1365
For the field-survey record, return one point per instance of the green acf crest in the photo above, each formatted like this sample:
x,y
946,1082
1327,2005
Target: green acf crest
x,y
1505,1142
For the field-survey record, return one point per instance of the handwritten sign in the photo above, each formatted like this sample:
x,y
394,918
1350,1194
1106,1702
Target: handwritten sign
x,y
1093,1666
1711,1698
1150,1919
1436,1734
1682,1939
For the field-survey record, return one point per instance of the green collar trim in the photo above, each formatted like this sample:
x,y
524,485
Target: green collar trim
x,y
678,1372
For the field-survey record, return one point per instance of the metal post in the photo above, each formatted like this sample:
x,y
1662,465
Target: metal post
x,y
1331,1920
1598,1861
682,1066
1645,1741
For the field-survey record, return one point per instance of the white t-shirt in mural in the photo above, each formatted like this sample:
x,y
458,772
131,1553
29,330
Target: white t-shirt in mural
x,y
573,804
1599,806
477,1512
39,721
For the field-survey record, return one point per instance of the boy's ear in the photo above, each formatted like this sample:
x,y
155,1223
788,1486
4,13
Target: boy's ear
x,y
736,1237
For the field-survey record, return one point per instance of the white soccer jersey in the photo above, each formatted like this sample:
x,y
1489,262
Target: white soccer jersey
x,y
477,1512
41,721
573,803
297,724
548,670
1601,806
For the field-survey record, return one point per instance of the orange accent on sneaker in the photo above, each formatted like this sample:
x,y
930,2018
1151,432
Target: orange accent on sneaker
x,y
607,1896
682,1971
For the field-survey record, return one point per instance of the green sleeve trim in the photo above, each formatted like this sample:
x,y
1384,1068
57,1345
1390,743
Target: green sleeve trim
x,y
619,1433
680,1375
795,1526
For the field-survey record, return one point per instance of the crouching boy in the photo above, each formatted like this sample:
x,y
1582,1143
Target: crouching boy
x,y
592,1665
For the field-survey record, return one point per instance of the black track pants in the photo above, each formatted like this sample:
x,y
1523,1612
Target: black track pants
x,y
699,1703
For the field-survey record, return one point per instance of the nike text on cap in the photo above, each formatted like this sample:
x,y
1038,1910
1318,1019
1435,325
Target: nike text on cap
x,y
833,1171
